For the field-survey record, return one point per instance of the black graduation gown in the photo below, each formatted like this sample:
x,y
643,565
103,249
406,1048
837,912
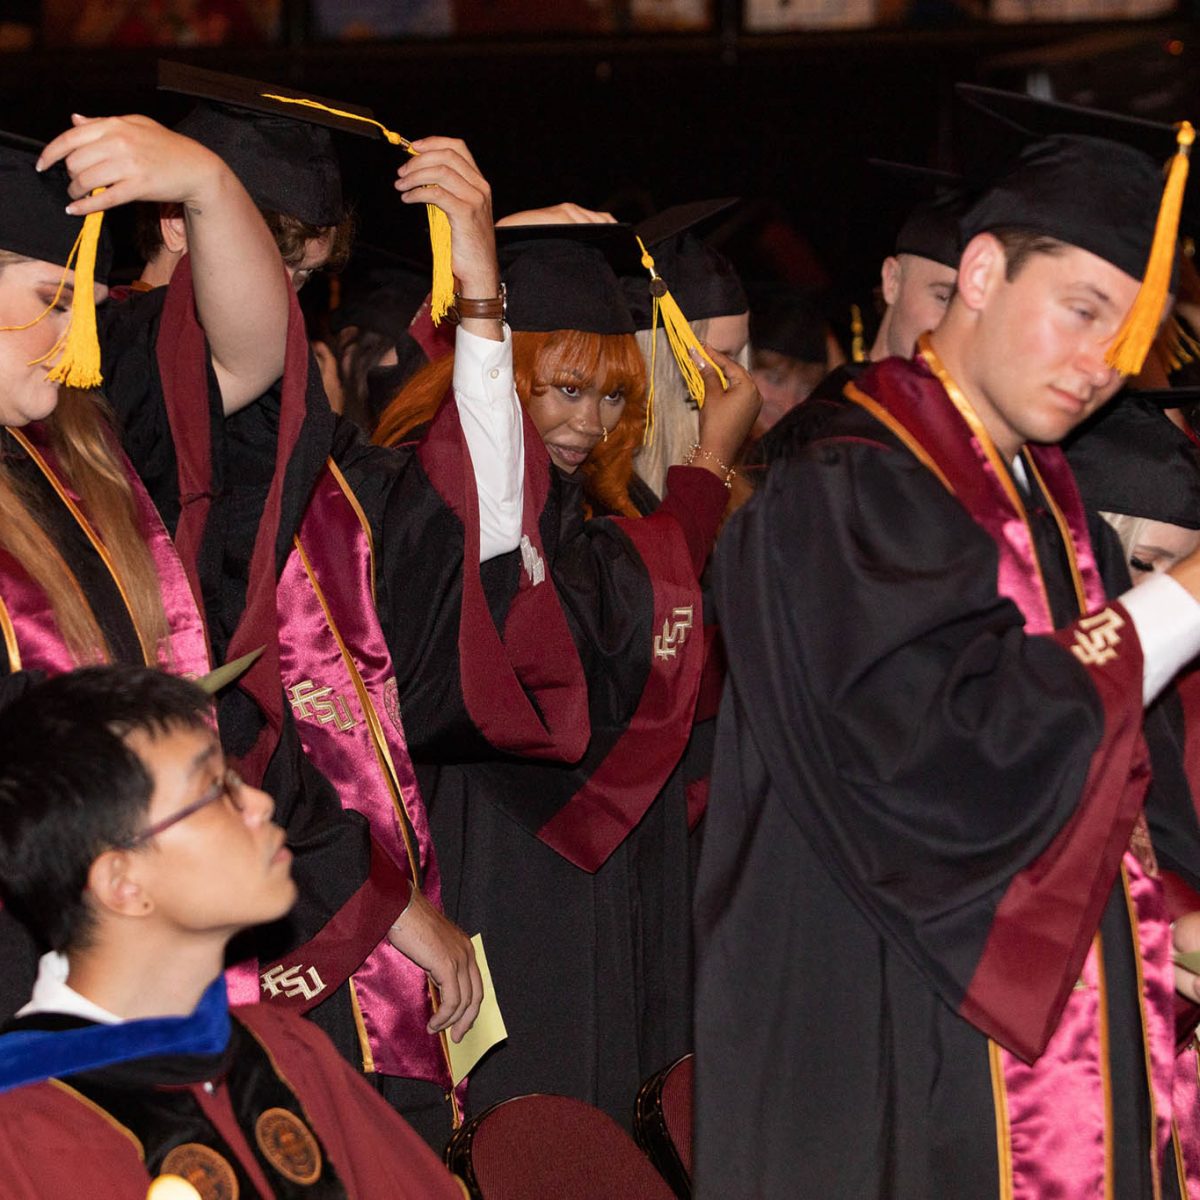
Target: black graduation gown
x,y
333,847
418,546
592,970
875,720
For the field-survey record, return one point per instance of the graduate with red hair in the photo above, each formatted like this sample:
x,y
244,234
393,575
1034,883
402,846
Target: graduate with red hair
x,y
577,871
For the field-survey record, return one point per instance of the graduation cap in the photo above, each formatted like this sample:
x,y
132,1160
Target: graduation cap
x,y
277,141
1088,178
567,276
700,278
1131,459
934,202
684,273
33,223
786,319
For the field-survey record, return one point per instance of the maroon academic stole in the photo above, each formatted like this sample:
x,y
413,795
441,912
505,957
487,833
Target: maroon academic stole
x,y
616,795
27,624
338,677
1038,991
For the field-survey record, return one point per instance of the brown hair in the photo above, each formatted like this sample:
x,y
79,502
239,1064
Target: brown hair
x,y
1020,245
542,360
85,447
290,234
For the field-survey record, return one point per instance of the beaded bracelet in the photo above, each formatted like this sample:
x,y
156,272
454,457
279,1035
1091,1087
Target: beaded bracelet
x,y
698,450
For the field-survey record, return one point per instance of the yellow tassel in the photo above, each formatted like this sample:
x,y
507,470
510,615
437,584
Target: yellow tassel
x,y
858,349
1133,340
78,364
442,290
682,341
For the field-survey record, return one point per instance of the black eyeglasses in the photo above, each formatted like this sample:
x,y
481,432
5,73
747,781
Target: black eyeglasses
x,y
229,786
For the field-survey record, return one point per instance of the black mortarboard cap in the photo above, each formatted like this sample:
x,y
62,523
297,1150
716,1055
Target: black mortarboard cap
x,y
33,222
1131,459
567,276
702,280
786,319
282,152
935,201
1088,178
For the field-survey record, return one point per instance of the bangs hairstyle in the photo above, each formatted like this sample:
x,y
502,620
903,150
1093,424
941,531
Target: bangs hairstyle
x,y
611,362
541,360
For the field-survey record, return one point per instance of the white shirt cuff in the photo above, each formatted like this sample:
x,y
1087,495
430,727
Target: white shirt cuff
x,y
1167,620
490,413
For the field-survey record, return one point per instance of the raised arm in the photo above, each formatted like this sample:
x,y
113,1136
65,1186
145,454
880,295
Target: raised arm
x,y
444,173
240,284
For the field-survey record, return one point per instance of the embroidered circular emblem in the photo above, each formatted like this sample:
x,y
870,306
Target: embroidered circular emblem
x,y
288,1145
208,1173
391,702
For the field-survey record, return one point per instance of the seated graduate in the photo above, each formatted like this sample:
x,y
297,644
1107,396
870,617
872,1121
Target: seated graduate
x,y
136,853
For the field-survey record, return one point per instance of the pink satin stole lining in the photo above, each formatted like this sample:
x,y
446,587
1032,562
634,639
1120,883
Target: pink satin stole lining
x,y
338,673
1058,1107
38,637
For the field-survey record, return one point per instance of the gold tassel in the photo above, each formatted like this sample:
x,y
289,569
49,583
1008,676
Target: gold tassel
x,y
442,289
682,341
441,298
1133,340
858,349
78,365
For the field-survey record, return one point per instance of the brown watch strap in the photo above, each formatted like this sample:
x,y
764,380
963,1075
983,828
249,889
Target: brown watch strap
x,y
493,308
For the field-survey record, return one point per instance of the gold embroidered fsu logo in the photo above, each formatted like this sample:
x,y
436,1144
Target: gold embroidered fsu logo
x,y
674,633
288,1145
202,1167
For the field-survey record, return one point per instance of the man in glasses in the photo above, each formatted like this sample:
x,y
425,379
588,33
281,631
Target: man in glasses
x,y
135,854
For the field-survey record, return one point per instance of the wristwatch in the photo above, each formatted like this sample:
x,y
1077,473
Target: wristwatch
x,y
495,308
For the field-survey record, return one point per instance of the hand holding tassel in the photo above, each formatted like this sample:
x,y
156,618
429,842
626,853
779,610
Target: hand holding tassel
x,y
443,174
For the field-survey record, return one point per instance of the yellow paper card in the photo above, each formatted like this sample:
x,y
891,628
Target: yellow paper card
x,y
488,1029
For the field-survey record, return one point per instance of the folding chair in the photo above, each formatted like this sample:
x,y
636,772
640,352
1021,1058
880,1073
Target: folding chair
x,y
551,1148
662,1123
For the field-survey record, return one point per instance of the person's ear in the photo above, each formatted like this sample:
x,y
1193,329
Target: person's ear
x,y
981,270
889,280
114,885
173,228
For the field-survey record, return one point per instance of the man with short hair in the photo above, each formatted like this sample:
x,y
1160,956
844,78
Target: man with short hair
x,y
934,956
917,279
135,853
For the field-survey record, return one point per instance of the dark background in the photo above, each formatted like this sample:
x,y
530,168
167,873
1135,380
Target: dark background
x,y
639,122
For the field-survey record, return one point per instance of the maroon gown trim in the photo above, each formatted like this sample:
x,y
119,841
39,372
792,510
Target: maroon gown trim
x,y
182,358
344,941
525,692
